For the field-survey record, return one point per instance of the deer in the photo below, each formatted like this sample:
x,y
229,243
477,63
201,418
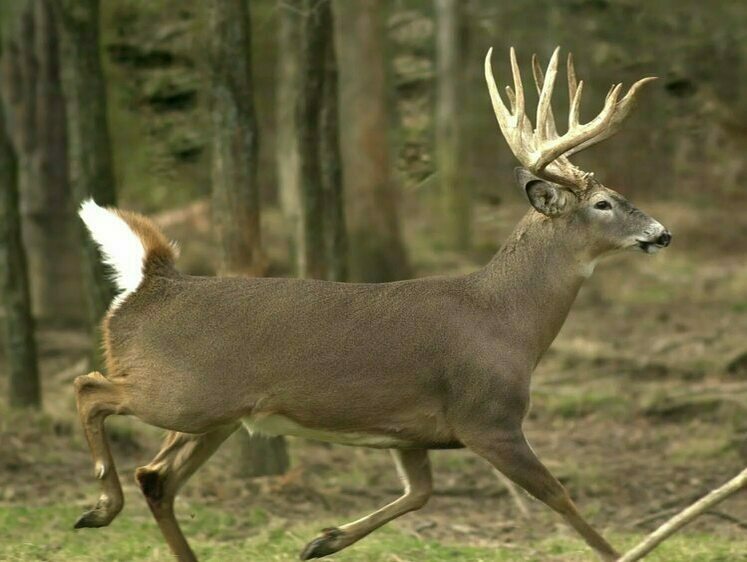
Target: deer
x,y
411,366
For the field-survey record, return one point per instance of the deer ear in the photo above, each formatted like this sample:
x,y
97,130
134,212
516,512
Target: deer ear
x,y
548,198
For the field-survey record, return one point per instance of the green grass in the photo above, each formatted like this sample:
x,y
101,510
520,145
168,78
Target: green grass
x,y
45,534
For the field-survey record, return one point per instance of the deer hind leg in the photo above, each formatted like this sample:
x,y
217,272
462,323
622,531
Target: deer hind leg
x,y
415,472
180,456
513,456
98,398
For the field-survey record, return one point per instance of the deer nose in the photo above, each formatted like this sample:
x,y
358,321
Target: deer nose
x,y
664,239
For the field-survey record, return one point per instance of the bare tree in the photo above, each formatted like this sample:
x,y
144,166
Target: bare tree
x,y
236,211
331,159
454,191
371,198
308,152
286,139
236,205
37,127
49,218
24,388
89,147
308,121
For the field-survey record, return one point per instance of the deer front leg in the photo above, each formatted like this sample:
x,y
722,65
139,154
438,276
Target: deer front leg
x,y
511,454
97,398
180,456
414,470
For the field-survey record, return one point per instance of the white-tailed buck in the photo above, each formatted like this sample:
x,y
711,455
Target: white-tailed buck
x,y
433,363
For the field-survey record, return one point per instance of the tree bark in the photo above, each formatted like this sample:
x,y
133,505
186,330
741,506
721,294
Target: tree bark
x,y
455,199
286,140
236,211
308,125
308,152
36,124
89,147
371,197
48,211
331,160
24,389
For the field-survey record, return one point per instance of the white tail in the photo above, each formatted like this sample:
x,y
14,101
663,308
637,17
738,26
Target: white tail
x,y
122,249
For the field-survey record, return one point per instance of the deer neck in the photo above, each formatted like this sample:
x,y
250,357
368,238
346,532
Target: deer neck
x,y
533,280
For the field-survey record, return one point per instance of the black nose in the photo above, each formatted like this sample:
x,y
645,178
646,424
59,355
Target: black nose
x,y
664,239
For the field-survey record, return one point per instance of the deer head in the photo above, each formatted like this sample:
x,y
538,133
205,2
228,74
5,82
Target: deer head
x,y
557,189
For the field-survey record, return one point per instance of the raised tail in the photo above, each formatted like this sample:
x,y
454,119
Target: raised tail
x,y
131,245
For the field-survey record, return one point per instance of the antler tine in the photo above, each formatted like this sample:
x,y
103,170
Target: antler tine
x,y
502,114
572,81
573,114
543,108
519,89
511,98
620,113
539,78
514,124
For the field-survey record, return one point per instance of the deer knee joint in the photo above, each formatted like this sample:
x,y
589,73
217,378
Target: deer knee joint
x,y
419,496
86,382
419,499
151,483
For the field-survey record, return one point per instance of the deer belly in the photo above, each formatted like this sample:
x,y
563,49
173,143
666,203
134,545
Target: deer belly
x,y
280,425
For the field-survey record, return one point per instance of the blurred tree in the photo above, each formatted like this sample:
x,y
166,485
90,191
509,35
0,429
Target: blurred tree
x,y
312,261
24,388
36,123
455,196
89,148
371,198
331,160
286,141
322,214
236,210
307,144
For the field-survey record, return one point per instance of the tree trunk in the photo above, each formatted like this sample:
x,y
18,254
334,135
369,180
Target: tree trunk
x,y
37,126
308,121
49,217
331,162
308,153
24,387
286,141
236,210
455,200
371,198
89,148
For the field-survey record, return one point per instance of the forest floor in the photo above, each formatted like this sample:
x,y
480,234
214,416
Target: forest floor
x,y
639,408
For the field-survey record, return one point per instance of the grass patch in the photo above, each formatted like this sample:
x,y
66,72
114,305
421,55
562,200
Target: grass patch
x,y
45,533
581,404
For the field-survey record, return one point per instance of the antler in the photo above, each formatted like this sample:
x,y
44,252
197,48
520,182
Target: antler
x,y
541,150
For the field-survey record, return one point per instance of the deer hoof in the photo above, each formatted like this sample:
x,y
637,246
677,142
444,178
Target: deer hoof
x,y
100,516
328,543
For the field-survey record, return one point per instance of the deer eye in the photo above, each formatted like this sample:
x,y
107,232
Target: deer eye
x,y
603,205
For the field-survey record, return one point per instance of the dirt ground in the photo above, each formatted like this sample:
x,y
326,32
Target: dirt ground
x,y
639,408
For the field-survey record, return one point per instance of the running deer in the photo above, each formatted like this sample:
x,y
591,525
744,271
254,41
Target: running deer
x,y
434,363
